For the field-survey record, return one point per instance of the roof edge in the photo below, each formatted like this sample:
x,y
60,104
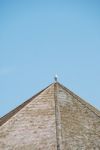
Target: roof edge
x,y
82,101
10,114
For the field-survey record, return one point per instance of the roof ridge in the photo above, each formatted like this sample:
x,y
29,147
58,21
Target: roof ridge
x,y
57,119
6,117
82,101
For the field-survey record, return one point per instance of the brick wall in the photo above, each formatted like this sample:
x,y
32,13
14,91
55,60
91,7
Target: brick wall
x,y
80,126
56,119
33,127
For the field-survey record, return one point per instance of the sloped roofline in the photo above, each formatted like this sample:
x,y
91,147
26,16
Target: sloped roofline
x,y
82,101
6,117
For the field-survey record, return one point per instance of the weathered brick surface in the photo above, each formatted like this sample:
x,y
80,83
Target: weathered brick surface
x,y
80,127
33,127
56,119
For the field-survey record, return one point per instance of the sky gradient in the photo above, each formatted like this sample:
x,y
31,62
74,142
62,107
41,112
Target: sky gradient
x,y
39,39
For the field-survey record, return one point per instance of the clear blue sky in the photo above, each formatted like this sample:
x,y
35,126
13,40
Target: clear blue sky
x,y
39,39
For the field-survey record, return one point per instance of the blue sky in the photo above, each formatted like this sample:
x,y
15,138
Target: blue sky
x,y
39,39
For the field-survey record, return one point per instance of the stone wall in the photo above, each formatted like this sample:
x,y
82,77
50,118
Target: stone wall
x,y
80,125
33,127
56,119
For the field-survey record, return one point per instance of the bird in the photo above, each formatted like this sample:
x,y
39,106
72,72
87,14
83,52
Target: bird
x,y
56,78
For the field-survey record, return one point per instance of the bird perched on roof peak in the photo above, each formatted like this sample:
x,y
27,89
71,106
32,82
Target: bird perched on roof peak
x,y
56,78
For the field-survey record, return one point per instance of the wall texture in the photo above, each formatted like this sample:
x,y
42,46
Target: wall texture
x,y
56,119
80,126
33,127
